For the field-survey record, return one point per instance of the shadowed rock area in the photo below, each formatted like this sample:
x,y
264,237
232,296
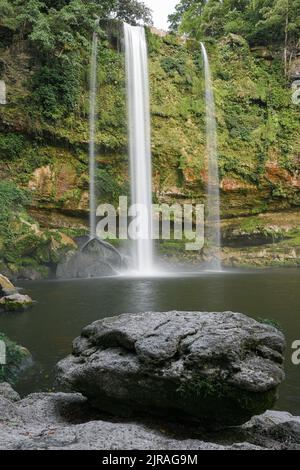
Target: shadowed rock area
x,y
217,369
58,421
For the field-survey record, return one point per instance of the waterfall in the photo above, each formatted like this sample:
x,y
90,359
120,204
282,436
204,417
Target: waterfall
x,y
139,142
2,92
213,229
92,123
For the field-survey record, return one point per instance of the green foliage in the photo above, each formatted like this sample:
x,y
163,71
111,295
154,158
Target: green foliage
x,y
12,200
15,356
12,197
56,89
110,187
204,387
174,64
132,11
176,18
60,34
261,22
270,322
232,165
11,146
216,394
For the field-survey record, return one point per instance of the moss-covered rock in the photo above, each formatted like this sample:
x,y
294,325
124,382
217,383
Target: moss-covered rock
x,y
15,303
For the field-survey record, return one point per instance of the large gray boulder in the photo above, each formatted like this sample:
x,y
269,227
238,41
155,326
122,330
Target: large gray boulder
x,y
219,369
95,258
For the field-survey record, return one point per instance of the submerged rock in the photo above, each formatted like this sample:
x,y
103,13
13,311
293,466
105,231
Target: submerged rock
x,y
96,258
10,299
58,421
219,369
15,303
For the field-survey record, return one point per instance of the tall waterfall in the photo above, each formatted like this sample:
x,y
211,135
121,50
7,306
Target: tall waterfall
x,y
139,142
92,123
213,229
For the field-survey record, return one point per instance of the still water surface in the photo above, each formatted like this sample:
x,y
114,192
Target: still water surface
x,y
64,308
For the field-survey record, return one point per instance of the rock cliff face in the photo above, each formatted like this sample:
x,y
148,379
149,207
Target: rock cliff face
x,y
218,369
258,127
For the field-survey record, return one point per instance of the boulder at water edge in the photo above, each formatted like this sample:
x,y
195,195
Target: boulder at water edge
x,y
15,303
6,287
218,369
95,258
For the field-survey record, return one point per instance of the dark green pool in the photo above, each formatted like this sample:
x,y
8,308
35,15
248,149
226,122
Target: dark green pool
x,y
63,308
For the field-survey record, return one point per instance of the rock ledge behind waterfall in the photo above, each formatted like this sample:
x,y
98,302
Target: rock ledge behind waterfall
x,y
219,369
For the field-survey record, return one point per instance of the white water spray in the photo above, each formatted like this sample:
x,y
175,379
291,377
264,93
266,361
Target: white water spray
x,y
139,141
213,229
92,123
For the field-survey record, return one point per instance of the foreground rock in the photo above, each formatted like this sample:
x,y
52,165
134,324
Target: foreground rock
x,y
219,369
64,422
6,391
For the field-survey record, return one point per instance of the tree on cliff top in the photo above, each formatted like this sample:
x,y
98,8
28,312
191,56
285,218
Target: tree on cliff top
x,y
14,12
259,21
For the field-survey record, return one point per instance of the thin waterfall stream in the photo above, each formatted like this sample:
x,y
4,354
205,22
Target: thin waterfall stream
x,y
213,226
92,125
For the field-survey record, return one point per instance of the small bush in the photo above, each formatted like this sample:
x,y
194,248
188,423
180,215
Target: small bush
x,y
11,146
270,322
109,186
56,89
15,355
12,199
171,65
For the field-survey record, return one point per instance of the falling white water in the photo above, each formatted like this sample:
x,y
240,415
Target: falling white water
x,y
2,92
92,119
213,188
139,142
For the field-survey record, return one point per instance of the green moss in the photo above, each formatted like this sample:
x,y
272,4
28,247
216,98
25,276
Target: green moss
x,y
204,387
217,399
271,322
11,146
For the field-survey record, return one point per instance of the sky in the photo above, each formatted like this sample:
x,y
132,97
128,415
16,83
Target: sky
x,y
161,11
